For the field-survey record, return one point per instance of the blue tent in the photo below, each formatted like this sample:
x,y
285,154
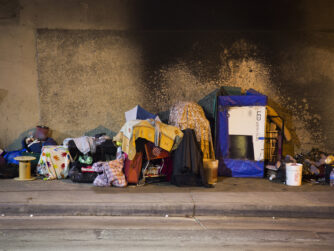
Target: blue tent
x,y
230,165
138,113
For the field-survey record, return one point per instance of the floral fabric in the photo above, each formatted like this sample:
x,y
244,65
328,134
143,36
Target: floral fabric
x,y
54,162
111,173
190,115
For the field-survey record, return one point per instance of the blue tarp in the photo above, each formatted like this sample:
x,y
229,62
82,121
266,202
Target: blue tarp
x,y
138,113
243,168
9,156
234,167
245,100
142,114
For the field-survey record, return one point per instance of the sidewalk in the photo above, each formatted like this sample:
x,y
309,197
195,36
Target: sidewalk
x,y
230,197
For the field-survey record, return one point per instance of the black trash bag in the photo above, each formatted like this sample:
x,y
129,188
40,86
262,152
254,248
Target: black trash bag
x,y
77,176
105,151
9,171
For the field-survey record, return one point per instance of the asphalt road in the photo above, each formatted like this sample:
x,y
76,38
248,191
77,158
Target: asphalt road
x,y
164,233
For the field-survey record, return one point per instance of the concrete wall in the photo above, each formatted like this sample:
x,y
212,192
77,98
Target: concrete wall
x,y
19,100
78,65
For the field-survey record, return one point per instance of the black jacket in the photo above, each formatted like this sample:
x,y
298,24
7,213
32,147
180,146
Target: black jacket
x,y
188,162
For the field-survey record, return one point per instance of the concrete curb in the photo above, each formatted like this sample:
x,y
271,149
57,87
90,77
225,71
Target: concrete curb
x,y
265,211
144,209
102,202
163,209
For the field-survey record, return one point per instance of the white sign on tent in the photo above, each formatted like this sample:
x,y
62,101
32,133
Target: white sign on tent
x,y
249,121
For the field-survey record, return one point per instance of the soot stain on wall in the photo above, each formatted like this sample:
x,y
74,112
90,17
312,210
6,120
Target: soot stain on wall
x,y
90,78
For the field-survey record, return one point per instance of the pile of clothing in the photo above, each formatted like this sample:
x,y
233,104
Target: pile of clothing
x,y
90,167
151,149
145,150
165,136
75,158
86,151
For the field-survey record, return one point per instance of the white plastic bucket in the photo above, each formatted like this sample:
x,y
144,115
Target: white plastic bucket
x,y
294,174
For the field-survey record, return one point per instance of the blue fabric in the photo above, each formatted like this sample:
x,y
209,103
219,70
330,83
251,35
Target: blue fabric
x,y
253,92
37,147
244,100
142,114
9,156
243,168
222,133
232,167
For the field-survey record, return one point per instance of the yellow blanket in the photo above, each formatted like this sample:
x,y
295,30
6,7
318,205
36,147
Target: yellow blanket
x,y
169,136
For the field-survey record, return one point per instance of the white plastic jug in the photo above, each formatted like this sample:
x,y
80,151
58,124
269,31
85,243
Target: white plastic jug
x,y
294,174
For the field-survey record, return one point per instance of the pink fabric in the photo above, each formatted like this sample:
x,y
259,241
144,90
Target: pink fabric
x,y
112,173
